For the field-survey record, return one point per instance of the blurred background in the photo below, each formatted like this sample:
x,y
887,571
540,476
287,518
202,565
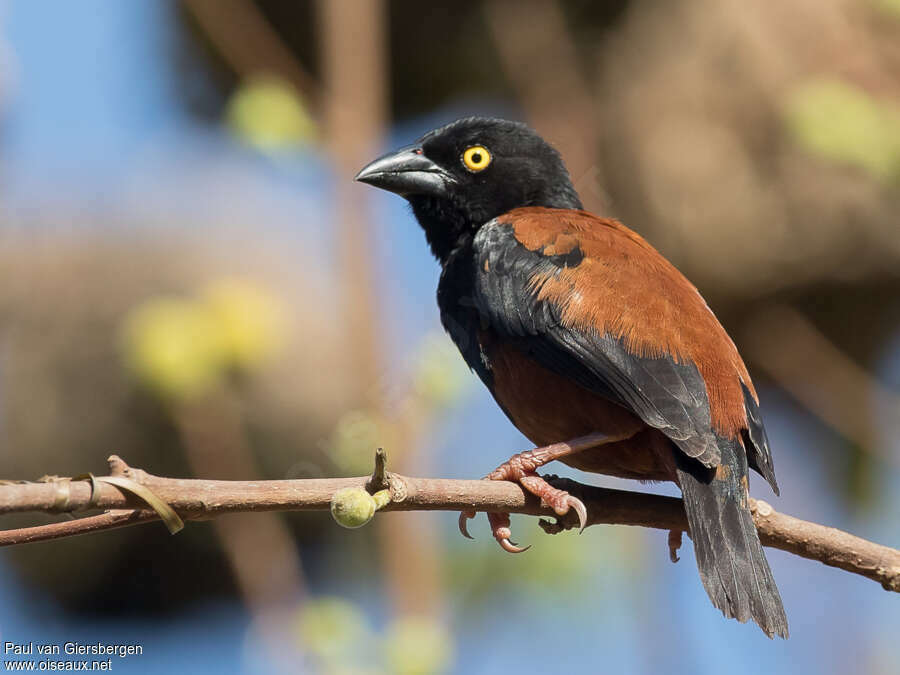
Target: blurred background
x,y
190,278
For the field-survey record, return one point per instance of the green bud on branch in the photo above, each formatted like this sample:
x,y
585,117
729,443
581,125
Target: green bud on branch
x,y
354,507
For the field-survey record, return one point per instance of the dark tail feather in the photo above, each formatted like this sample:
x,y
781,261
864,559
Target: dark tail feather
x,y
732,565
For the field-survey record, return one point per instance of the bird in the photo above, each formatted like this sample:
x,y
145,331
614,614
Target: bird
x,y
592,343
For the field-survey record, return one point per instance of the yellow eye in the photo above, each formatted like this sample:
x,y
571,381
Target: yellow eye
x,y
476,158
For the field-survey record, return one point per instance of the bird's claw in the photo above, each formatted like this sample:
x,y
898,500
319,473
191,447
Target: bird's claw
x,y
463,522
674,544
510,547
500,528
559,524
579,508
559,500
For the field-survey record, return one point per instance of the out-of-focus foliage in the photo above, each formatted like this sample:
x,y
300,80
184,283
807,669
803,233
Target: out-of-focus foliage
x,y
250,322
694,153
68,402
182,347
268,113
437,379
417,645
339,638
845,124
440,377
354,439
172,346
889,6
335,631
559,566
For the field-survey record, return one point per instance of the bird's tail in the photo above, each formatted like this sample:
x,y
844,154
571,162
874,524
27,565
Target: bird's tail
x,y
732,565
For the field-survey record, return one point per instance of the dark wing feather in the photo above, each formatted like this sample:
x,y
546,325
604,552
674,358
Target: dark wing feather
x,y
759,455
665,394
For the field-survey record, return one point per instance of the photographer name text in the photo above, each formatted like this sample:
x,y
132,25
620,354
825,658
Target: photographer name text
x,y
71,649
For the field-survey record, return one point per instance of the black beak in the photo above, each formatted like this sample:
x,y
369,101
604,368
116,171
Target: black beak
x,y
407,172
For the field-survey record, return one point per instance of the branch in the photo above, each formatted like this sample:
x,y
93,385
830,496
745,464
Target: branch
x,y
248,44
195,499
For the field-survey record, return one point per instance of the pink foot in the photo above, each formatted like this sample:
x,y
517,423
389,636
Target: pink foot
x,y
522,468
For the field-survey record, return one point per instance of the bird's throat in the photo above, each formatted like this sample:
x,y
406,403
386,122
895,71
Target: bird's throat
x,y
446,227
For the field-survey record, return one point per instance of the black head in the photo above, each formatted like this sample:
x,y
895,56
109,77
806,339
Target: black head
x,y
462,175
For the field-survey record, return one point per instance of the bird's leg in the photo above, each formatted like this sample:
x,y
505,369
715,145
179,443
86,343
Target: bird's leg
x,y
522,468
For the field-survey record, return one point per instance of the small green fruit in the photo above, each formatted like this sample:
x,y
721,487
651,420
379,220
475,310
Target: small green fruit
x,y
352,507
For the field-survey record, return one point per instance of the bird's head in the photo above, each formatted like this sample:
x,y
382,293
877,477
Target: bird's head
x,y
462,175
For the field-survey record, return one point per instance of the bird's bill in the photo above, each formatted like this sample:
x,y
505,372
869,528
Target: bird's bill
x,y
407,172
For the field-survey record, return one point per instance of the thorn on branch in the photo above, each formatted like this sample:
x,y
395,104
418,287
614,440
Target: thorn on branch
x,y
117,466
380,479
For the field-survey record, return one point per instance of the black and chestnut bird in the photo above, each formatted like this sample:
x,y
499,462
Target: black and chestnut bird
x,y
591,342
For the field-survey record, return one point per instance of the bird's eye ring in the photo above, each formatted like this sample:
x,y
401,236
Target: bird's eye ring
x,y
476,158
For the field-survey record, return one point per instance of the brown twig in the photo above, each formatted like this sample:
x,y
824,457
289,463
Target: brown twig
x,y
248,43
197,499
104,521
